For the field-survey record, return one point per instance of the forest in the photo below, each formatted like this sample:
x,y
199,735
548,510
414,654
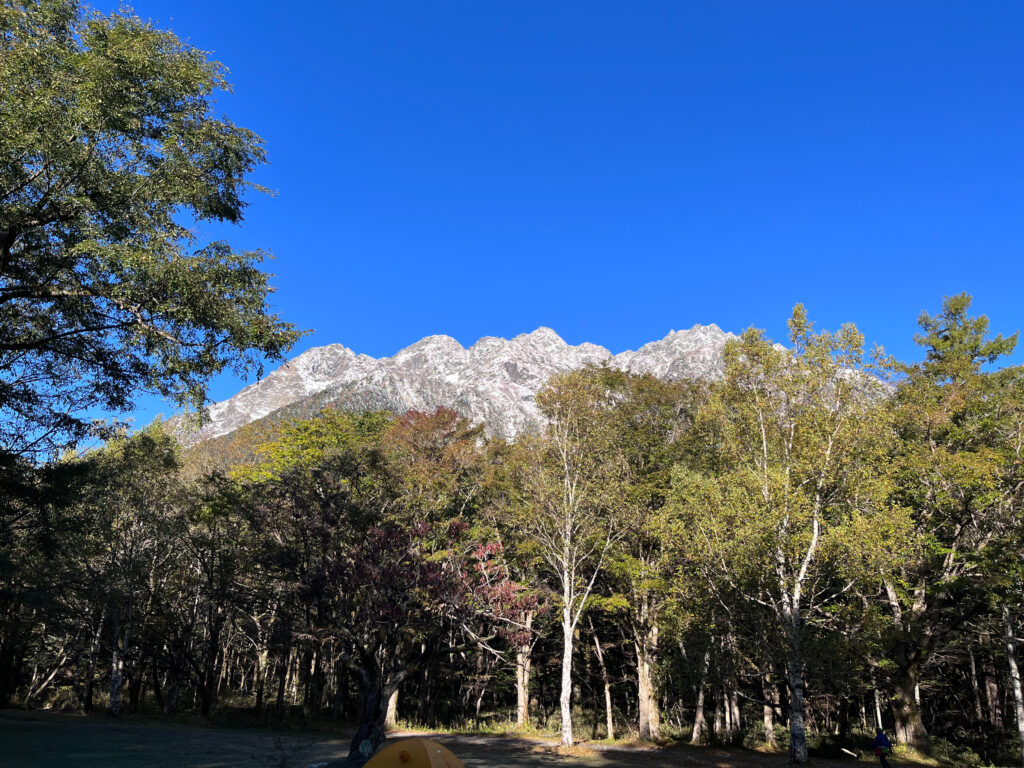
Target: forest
x,y
822,541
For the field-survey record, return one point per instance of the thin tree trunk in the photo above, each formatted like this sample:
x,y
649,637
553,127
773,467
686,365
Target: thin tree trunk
x,y
993,699
565,699
90,673
699,724
35,691
727,709
293,676
119,647
282,680
646,645
719,719
609,723
524,654
735,726
1011,657
116,678
260,682
975,688
771,701
424,711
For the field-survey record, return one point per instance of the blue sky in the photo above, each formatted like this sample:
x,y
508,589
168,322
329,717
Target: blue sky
x,y
615,170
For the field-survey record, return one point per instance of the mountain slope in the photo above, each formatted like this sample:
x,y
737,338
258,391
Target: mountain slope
x,y
493,381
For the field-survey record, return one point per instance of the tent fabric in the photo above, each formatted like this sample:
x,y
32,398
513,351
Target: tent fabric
x,y
415,753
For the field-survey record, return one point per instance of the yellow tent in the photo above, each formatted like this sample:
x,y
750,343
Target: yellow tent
x,y
415,753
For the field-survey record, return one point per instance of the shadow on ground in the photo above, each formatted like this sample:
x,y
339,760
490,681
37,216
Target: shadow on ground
x,y
44,740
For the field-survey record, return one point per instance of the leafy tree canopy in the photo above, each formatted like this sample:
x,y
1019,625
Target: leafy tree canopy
x,y
110,153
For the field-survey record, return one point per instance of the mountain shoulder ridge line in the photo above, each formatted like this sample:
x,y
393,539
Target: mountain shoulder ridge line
x,y
493,381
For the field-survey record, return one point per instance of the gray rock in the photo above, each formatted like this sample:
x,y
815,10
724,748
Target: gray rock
x,y
494,381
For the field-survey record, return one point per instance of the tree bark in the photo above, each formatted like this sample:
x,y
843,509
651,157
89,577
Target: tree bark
x,y
609,722
1011,657
260,682
719,719
797,730
524,660
992,697
975,688
116,679
90,671
647,698
391,716
377,692
699,724
771,701
565,698
119,648
210,672
910,729
282,679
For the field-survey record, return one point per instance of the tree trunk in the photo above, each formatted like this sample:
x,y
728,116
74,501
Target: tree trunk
x,y
719,719
1011,657
647,698
910,728
210,674
797,731
158,691
771,701
975,688
116,678
173,689
371,733
282,680
735,726
609,722
391,716
136,686
424,711
878,703
992,697
524,660
90,671
565,699
260,682
699,725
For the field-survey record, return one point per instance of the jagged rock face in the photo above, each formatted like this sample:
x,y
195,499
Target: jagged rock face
x,y
493,382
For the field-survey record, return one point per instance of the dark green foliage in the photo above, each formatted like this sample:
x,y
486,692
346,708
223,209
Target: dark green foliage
x,y
110,151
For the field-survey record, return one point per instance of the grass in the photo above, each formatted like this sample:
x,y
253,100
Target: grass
x,y
45,740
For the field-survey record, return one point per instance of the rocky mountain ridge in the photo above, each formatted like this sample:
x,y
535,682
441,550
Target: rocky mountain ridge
x,y
493,381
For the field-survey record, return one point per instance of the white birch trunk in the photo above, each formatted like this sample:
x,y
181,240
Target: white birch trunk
x,y
565,699
1011,657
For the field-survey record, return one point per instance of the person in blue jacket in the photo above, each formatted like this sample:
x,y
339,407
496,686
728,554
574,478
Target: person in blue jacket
x,y
882,747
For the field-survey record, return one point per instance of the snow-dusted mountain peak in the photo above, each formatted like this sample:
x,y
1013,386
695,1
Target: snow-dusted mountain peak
x,y
493,381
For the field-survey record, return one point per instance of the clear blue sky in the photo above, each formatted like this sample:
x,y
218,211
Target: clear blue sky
x,y
615,170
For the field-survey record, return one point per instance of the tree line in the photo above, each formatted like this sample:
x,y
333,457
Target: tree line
x,y
821,541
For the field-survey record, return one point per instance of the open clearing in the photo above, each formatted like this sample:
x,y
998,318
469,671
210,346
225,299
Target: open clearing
x,y
43,740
